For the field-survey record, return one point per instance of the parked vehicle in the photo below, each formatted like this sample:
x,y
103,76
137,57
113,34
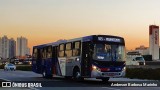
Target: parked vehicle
x,y
135,58
9,66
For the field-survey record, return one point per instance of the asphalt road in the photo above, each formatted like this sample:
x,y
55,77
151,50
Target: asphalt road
x,y
59,83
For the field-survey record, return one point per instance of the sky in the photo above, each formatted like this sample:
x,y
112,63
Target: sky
x,y
44,21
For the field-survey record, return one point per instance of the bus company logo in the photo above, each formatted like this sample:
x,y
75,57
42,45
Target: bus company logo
x,y
156,37
6,84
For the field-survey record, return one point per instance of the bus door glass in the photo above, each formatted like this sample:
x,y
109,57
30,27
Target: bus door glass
x,y
86,58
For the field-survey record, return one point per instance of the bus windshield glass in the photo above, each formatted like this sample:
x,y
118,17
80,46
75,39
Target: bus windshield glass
x,y
107,52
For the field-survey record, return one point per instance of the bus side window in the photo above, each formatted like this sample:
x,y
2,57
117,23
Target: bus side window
x,y
35,53
44,53
49,52
68,51
76,48
41,53
61,50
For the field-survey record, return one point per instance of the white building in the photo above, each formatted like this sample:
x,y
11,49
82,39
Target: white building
x,y
0,47
7,47
22,48
154,41
142,50
12,48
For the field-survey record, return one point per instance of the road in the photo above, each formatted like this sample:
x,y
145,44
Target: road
x,y
59,83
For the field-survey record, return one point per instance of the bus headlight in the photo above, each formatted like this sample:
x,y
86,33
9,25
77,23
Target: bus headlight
x,y
95,68
124,69
144,63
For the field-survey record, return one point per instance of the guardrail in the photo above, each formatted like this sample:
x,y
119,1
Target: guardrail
x,y
153,63
143,66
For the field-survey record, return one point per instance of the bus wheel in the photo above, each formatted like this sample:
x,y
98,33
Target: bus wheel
x,y
77,76
105,80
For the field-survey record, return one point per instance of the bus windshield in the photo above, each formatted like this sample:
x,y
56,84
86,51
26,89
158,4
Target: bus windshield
x,y
107,52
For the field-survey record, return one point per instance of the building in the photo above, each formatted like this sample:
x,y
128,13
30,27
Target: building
x,y
22,48
12,48
154,41
142,50
0,47
7,47
28,51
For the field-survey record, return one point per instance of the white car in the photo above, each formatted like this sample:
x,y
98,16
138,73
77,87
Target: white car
x,y
10,66
139,60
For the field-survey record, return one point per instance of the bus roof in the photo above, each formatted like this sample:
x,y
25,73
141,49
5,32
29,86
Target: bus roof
x,y
84,39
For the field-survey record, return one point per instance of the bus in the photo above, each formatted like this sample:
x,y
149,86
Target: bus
x,y
94,56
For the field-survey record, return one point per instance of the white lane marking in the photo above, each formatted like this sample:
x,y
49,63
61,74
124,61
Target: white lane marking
x,y
28,87
5,79
111,88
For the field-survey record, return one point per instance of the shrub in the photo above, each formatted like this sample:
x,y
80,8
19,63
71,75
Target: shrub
x,y
143,73
24,68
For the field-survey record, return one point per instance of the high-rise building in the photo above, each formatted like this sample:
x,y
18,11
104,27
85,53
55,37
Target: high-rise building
x,y
154,41
22,48
0,47
142,50
12,48
4,47
28,51
7,47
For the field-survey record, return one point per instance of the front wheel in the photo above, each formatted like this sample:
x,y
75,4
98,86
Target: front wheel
x,y
77,76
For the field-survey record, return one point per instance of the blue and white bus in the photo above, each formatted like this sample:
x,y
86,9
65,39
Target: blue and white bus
x,y
94,56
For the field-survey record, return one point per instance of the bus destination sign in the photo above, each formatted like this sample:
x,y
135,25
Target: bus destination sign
x,y
109,39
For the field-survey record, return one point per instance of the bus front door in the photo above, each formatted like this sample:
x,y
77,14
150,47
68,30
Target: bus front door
x,y
86,59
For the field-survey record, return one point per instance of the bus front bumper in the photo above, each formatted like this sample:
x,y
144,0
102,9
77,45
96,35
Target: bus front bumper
x,y
99,74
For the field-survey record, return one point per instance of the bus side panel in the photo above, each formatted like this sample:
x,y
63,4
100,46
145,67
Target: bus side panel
x,y
71,63
62,65
34,66
48,66
36,63
56,66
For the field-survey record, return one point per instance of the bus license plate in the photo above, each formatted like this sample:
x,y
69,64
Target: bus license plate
x,y
111,74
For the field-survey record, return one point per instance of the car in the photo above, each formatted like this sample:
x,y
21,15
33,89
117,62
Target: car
x,y
136,60
9,66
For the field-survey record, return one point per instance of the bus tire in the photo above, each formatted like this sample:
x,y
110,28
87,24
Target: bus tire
x,y
77,75
105,80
